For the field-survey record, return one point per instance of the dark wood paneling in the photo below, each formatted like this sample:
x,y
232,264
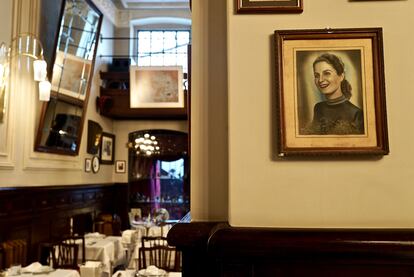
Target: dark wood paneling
x,y
222,250
40,214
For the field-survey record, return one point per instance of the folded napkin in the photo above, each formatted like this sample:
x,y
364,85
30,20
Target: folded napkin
x,y
36,267
32,267
94,235
152,270
124,273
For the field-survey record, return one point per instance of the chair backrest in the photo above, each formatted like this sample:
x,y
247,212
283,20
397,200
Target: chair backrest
x,y
65,255
156,251
80,241
151,241
14,252
1,257
108,225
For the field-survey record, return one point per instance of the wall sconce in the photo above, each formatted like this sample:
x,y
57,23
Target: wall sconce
x,y
44,90
39,70
28,45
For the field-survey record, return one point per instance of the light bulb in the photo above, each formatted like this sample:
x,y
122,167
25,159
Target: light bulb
x,y
39,70
44,90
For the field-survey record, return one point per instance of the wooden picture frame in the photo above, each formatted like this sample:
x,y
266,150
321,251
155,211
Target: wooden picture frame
x,y
317,112
120,166
268,6
156,87
107,148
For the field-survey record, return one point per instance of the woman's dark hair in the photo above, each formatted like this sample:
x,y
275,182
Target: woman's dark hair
x,y
339,67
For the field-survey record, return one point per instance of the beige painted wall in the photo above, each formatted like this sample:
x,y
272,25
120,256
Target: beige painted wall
x,y
209,143
6,21
318,193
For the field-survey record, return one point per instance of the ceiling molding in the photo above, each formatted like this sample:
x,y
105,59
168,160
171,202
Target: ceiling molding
x,y
115,10
109,10
151,4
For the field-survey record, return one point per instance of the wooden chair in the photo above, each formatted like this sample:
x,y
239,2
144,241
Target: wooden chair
x,y
156,251
65,255
44,252
108,225
1,257
14,252
80,241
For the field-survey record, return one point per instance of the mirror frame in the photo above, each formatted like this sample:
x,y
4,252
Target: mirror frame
x,y
66,99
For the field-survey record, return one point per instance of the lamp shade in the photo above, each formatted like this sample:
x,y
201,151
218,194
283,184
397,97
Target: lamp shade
x,y
39,70
44,90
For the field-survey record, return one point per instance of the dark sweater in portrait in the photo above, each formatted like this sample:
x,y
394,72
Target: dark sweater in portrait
x,y
338,117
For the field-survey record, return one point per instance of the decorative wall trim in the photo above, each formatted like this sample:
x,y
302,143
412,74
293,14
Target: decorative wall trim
x,y
7,131
121,18
145,4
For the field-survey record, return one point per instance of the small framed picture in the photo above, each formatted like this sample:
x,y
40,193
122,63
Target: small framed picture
x,y
331,92
107,152
269,6
88,165
120,166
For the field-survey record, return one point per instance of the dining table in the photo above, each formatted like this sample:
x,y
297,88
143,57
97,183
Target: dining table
x,y
106,249
54,273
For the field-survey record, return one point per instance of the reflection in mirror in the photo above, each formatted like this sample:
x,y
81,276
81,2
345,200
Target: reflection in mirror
x,y
5,39
61,123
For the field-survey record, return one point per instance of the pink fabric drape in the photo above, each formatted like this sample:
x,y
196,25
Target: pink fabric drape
x,y
156,184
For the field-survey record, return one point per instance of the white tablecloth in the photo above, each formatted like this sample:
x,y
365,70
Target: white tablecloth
x,y
55,273
108,250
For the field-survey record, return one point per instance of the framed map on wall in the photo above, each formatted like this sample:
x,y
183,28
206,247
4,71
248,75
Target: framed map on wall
x,y
156,87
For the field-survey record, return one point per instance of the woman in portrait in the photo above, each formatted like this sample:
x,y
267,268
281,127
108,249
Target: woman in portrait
x,y
336,115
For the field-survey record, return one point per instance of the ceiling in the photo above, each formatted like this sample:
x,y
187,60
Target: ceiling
x,y
151,4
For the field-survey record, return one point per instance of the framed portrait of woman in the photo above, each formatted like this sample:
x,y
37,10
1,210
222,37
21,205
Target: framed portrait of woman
x,y
331,92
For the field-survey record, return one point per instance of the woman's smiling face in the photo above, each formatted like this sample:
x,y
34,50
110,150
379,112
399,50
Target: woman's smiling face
x,y
327,79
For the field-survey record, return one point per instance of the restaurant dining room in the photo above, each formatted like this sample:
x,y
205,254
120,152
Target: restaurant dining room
x,y
202,138
94,122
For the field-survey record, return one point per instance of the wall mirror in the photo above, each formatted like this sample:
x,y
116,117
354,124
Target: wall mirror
x,y
73,56
5,40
